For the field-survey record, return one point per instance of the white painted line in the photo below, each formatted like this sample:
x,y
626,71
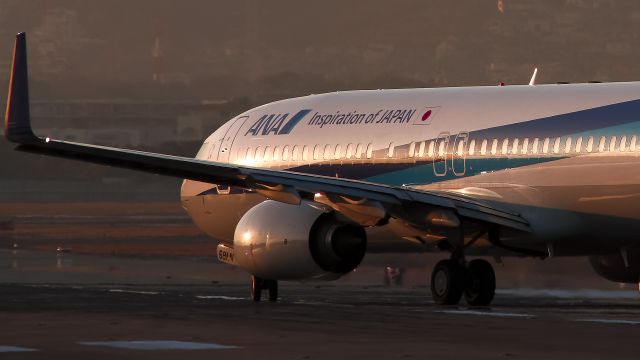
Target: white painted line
x,y
611,321
485,313
8,349
571,294
158,345
221,297
134,292
316,303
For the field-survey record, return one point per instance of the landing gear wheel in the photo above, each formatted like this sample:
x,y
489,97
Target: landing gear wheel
x,y
480,284
272,286
256,288
258,284
447,282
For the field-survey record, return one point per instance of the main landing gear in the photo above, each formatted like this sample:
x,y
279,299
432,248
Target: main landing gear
x,y
259,284
451,278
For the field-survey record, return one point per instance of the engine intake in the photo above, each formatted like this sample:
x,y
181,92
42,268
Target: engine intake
x,y
335,247
274,240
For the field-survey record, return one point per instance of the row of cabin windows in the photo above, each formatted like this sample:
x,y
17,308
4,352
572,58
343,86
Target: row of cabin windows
x,y
549,145
305,153
523,146
483,147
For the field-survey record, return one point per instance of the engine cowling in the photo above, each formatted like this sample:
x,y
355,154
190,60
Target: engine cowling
x,y
274,240
612,267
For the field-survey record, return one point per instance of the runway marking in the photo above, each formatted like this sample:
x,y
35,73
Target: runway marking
x,y
571,294
158,345
485,313
611,321
134,292
221,297
316,303
8,349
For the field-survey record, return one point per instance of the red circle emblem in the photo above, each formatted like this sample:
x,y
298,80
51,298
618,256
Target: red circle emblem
x,y
426,115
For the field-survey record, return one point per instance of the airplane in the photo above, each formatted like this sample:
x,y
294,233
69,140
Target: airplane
x,y
302,189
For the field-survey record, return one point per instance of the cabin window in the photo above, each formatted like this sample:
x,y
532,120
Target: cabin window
x,y
431,148
327,152
337,153
359,151
305,153
545,145
285,153
612,144
295,153
369,151
472,147
460,149
535,147
505,146
316,152
525,146
349,151
412,149
590,144
602,143
442,148
514,147
247,155
421,149
556,146
623,144
567,145
392,148
259,153
268,153
494,146
579,145
483,147
276,154
632,144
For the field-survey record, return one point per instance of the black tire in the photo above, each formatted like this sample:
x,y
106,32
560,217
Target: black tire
x,y
256,288
447,282
272,286
480,284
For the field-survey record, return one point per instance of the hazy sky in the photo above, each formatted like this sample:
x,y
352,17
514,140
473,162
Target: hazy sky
x,y
213,49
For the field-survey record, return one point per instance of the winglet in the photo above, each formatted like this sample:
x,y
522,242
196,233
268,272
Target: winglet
x,y
17,122
533,77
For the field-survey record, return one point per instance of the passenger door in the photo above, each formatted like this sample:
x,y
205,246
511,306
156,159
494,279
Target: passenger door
x,y
227,141
459,154
440,154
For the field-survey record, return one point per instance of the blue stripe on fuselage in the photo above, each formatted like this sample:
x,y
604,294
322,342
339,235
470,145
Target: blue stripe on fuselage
x,y
294,121
604,121
567,124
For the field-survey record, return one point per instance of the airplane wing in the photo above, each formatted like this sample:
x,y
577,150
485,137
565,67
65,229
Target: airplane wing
x,y
367,203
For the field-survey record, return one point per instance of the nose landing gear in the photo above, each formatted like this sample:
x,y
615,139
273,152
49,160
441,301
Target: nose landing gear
x,y
451,278
258,284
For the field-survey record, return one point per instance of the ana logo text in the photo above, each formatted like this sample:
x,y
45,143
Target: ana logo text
x,y
276,124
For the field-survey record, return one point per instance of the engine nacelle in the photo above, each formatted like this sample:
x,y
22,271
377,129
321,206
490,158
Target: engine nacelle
x,y
612,267
274,240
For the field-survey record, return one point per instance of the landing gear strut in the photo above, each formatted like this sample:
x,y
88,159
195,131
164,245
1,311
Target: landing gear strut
x,y
454,277
258,284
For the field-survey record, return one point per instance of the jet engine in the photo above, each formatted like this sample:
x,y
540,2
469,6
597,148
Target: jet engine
x,y
274,240
614,268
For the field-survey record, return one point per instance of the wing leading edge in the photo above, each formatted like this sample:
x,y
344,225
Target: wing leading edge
x,y
367,203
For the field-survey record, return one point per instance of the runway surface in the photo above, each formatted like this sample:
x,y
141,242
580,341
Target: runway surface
x,y
90,308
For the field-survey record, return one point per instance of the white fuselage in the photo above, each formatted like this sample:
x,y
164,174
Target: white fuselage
x,y
566,157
